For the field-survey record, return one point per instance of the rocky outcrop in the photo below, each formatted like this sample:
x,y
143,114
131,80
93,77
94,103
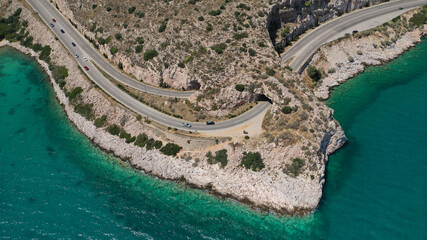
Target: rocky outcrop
x,y
347,57
288,19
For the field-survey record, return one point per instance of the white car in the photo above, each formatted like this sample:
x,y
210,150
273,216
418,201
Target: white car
x,y
187,125
75,55
85,58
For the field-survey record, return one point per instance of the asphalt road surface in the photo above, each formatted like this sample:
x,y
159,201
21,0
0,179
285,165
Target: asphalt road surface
x,y
68,37
47,12
304,48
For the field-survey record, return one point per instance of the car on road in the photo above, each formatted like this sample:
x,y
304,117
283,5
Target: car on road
x,y
401,8
210,123
62,31
52,25
347,34
76,55
73,44
355,31
85,58
186,125
86,68
53,20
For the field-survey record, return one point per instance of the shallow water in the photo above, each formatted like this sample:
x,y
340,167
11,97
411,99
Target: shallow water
x,y
54,183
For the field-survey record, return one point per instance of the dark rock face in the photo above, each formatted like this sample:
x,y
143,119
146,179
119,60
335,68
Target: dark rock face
x,y
288,19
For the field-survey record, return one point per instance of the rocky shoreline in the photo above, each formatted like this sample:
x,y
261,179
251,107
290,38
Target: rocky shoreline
x,y
348,57
269,190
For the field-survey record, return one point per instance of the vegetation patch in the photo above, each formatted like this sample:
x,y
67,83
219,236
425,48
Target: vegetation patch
x,y
220,157
85,110
253,161
295,167
100,122
170,149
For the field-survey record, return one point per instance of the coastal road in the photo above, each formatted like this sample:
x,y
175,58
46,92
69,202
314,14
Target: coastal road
x,y
95,75
360,20
47,12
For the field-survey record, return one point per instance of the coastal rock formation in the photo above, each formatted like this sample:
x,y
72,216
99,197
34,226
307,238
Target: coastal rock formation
x,y
346,57
288,19
308,134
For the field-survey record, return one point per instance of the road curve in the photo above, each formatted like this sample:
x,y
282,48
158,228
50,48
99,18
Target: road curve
x,y
95,75
47,12
303,49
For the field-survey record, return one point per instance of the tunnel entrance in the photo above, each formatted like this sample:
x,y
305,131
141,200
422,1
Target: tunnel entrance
x,y
262,98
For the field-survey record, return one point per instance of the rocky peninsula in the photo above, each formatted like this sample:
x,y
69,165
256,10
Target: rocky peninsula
x,y
297,134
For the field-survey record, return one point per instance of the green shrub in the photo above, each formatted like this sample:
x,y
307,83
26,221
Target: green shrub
x,y
131,9
100,122
295,167
286,109
201,18
74,93
101,40
285,32
158,144
270,72
253,161
141,140
314,73
418,19
85,110
215,12
114,50
239,36
45,53
140,14
114,129
181,65
162,27
118,36
240,87
209,27
307,3
252,52
139,40
138,48
219,48
150,54
220,157
108,9
170,149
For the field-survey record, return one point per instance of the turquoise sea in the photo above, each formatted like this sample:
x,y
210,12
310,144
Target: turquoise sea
x,y
55,184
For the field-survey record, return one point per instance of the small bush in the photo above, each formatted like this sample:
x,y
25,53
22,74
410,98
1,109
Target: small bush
x,y
418,19
150,54
314,73
114,50
359,52
85,110
108,9
141,140
307,3
158,144
253,161
114,129
215,12
239,36
100,122
131,9
252,52
201,18
286,109
219,48
221,157
285,32
270,72
138,48
350,59
118,36
170,149
74,93
181,65
240,87
295,167
162,27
